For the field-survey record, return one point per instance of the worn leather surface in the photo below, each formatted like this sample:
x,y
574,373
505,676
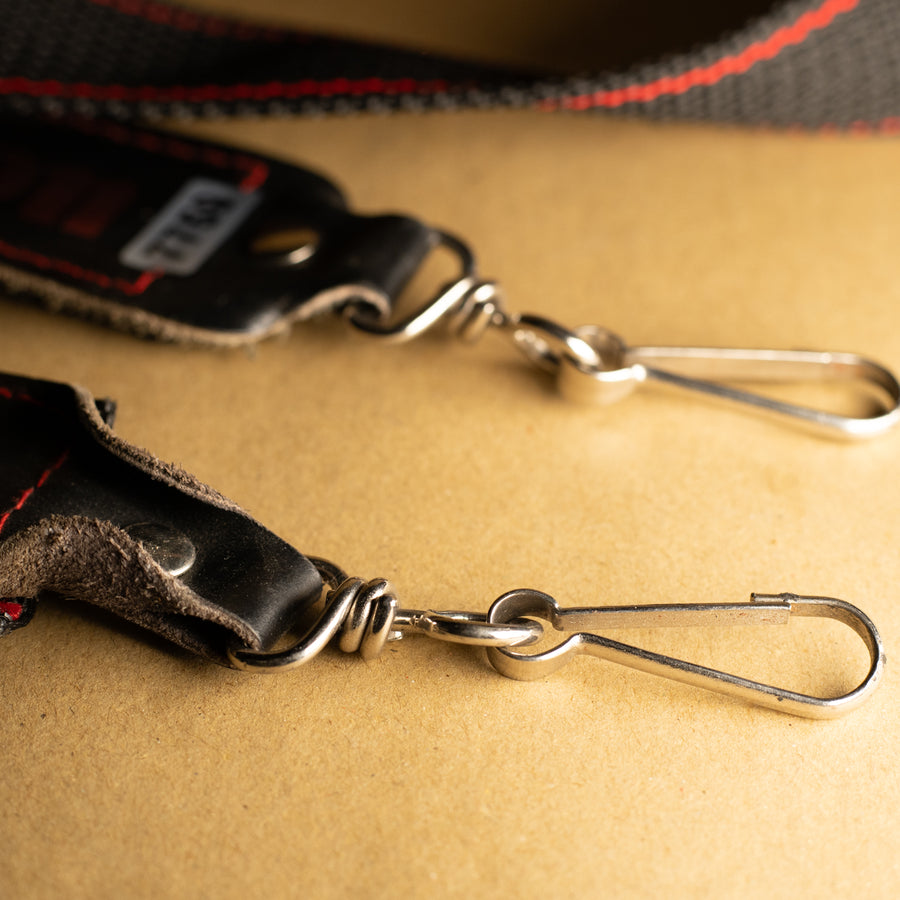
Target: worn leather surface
x,y
69,489
459,474
72,196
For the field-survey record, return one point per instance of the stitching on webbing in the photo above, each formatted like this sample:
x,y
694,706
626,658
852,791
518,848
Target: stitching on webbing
x,y
796,33
307,87
810,22
187,20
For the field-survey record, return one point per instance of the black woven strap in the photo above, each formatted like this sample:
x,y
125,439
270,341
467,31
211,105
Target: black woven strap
x,y
813,63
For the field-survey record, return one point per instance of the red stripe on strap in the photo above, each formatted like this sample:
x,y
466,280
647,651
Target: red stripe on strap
x,y
672,85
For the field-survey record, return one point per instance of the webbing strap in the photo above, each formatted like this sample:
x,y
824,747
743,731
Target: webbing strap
x,y
810,63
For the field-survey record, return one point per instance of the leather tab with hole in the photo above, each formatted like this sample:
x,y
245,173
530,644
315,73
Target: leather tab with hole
x,y
186,240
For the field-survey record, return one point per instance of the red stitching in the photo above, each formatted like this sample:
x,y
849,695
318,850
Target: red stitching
x,y
184,20
9,394
28,492
673,85
256,171
786,36
38,260
218,92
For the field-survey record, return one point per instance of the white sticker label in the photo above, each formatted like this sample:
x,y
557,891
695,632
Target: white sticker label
x,y
190,228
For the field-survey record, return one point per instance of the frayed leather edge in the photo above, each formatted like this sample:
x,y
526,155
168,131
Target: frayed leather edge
x,y
56,297
100,563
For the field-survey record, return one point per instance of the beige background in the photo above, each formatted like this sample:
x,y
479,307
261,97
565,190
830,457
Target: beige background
x,y
129,769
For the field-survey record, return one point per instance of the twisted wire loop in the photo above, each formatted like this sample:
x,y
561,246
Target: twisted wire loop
x,y
367,626
468,304
363,616
360,613
481,307
595,366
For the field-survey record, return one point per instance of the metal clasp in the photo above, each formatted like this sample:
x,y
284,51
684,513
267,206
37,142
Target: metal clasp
x,y
762,609
363,616
596,366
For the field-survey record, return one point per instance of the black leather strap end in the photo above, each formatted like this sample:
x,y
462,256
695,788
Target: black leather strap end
x,y
167,237
74,502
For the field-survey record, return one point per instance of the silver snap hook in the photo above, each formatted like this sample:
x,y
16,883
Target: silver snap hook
x,y
706,371
770,609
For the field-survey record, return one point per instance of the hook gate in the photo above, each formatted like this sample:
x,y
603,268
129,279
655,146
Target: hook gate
x,y
762,609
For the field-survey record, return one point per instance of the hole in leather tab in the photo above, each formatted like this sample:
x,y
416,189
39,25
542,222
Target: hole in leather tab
x,y
285,246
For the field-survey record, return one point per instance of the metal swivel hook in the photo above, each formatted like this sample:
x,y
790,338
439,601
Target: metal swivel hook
x,y
363,616
594,365
762,609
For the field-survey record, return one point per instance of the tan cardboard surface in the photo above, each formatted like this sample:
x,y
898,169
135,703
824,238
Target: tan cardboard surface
x,y
129,769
